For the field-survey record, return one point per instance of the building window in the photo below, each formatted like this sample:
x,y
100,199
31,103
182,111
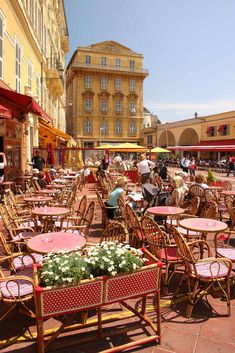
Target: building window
x,y
103,61
118,63
104,127
132,65
118,106
18,61
88,105
88,59
132,85
104,105
30,71
223,130
210,131
87,81
118,84
118,127
132,107
103,83
88,126
37,87
132,127
150,139
1,45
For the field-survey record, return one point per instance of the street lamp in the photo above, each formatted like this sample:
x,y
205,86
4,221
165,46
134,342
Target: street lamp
x,y
101,131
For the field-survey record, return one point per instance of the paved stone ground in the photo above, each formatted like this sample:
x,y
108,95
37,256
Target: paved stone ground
x,y
209,330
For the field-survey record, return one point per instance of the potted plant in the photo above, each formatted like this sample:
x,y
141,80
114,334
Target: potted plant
x,y
66,282
210,178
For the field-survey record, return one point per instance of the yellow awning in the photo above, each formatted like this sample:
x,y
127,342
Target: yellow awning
x,y
54,131
160,150
128,147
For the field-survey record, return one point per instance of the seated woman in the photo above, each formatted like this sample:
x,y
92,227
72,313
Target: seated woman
x,y
41,180
200,180
178,194
117,193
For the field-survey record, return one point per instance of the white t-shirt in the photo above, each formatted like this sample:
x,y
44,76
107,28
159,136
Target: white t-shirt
x,y
144,166
117,159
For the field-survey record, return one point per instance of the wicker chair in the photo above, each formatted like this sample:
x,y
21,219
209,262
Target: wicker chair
x,y
85,223
210,210
16,290
229,202
137,234
224,245
161,246
115,231
203,274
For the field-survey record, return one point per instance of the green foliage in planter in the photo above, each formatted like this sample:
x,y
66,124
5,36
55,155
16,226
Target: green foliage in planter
x,y
63,267
112,258
210,176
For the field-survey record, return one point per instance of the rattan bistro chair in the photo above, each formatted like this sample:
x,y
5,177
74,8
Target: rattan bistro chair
x,y
161,246
16,290
203,274
115,231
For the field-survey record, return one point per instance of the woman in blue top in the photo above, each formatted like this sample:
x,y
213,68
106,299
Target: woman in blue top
x,y
117,193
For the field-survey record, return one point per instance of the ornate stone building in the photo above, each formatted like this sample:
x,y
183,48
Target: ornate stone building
x,y
105,94
33,46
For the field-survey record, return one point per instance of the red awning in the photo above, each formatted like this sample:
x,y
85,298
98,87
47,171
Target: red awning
x,y
24,103
210,146
5,113
222,128
209,129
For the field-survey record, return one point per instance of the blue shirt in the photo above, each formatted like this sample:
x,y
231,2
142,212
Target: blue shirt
x,y
114,196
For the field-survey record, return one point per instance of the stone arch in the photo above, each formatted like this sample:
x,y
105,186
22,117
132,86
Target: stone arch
x,y
188,137
166,139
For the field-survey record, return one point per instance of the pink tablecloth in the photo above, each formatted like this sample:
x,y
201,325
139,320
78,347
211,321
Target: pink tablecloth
x,y
47,242
205,225
165,210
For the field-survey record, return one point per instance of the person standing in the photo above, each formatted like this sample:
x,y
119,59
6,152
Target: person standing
x,y
185,164
192,168
38,161
231,161
105,163
144,168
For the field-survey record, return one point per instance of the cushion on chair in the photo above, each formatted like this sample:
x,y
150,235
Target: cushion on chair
x,y
17,288
20,262
211,268
227,252
171,254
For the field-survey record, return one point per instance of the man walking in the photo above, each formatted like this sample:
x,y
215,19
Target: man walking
x,y
144,168
38,162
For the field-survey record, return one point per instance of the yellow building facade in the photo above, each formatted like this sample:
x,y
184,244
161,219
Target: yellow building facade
x,y
104,84
34,41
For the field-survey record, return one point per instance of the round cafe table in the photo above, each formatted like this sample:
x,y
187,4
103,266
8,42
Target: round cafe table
x,y
229,192
166,211
38,199
47,242
203,225
69,177
48,216
46,191
55,186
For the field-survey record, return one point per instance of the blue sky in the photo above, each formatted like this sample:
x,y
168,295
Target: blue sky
x,y
188,48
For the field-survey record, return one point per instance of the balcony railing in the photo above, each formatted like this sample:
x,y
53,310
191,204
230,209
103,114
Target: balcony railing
x,y
110,67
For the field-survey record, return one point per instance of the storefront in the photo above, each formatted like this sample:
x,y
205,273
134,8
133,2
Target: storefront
x,y
15,134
